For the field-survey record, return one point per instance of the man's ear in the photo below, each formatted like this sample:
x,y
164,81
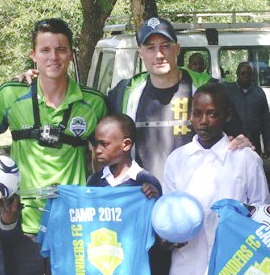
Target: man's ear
x,y
33,55
139,52
127,144
178,49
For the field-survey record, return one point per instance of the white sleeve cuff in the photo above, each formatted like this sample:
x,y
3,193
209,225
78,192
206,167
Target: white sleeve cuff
x,y
7,227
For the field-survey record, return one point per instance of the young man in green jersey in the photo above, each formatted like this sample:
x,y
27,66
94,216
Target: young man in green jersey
x,y
51,122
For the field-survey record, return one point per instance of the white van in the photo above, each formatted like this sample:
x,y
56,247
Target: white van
x,y
224,46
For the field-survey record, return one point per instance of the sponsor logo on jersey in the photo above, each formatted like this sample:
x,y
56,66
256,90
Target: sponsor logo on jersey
x,y
78,126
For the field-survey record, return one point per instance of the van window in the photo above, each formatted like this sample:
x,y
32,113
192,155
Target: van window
x,y
104,71
259,57
187,53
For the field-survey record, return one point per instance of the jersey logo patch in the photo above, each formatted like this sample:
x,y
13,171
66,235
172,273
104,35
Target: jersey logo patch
x,y
259,268
78,126
104,252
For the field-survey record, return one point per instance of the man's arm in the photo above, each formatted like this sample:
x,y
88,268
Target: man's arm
x,y
240,142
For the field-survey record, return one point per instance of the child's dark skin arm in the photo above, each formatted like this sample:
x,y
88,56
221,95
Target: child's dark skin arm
x,y
167,246
150,191
9,209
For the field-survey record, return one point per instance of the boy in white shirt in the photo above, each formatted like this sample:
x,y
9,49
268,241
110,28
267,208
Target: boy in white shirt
x,y
206,169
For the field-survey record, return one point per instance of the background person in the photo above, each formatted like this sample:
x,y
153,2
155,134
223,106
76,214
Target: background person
x,y
206,169
196,68
251,104
50,122
196,62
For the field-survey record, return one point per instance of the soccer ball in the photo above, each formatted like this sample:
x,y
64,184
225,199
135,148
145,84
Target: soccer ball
x,y
261,214
177,217
9,177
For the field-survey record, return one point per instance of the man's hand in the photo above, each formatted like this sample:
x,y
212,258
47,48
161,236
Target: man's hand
x,y
28,76
9,209
266,154
240,142
150,191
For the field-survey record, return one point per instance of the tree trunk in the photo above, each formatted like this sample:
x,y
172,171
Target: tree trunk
x,y
95,14
143,9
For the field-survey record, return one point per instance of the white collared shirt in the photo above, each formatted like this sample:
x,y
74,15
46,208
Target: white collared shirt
x,y
130,174
211,175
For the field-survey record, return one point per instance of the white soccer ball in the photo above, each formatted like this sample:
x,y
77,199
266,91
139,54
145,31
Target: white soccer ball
x,y
9,177
261,214
177,217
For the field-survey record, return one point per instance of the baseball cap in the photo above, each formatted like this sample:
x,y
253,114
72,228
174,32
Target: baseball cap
x,y
156,25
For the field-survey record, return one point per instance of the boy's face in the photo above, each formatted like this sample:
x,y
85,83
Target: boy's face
x,y
109,144
197,64
208,118
52,53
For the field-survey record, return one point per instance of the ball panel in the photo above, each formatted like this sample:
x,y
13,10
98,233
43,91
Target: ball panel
x,y
261,214
177,217
9,177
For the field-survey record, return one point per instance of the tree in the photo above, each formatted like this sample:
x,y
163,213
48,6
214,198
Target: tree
x,y
87,19
17,18
95,14
142,9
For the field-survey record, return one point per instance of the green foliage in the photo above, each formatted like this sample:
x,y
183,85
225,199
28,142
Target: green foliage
x,y
169,8
122,7
17,17
16,21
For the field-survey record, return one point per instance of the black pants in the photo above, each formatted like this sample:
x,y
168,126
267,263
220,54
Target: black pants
x,y
160,260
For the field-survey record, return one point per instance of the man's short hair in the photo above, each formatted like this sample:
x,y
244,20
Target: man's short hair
x,y
156,25
53,25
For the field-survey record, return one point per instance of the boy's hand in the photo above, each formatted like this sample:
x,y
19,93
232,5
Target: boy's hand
x,y
240,142
266,153
9,209
29,75
167,246
150,191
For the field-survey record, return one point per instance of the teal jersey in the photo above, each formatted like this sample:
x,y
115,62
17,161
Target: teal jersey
x,y
93,230
42,166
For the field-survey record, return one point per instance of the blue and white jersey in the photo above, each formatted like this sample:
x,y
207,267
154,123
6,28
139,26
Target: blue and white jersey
x,y
93,230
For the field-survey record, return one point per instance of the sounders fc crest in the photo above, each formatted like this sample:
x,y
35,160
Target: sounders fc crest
x,y
105,252
78,126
